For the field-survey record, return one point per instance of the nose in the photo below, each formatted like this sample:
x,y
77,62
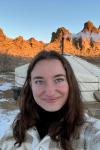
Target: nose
x,y
50,89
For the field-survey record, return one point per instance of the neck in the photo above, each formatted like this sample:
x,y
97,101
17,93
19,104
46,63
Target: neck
x,y
46,119
50,115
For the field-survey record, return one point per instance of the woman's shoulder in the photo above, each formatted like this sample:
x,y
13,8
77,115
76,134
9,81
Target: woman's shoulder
x,y
7,140
91,124
91,132
89,137
8,135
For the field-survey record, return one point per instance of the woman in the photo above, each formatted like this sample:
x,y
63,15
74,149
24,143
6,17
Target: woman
x,y
51,113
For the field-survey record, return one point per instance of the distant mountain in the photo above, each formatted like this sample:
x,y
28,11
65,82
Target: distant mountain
x,y
84,43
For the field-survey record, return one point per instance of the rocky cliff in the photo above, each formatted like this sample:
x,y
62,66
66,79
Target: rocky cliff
x,y
84,43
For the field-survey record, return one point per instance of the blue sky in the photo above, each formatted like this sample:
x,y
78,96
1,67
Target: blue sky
x,y
39,18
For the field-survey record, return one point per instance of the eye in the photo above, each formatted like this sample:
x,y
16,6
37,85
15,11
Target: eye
x,y
58,80
39,82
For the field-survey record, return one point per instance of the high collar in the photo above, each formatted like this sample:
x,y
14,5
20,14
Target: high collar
x,y
50,116
47,119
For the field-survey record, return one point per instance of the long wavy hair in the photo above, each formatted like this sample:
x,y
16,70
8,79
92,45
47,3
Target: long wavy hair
x,y
69,124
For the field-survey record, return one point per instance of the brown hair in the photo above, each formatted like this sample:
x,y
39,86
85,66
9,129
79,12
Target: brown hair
x,y
69,125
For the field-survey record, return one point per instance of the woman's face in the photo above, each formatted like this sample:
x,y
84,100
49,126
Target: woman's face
x,y
49,84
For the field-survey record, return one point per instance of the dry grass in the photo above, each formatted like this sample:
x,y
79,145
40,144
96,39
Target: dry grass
x,y
8,63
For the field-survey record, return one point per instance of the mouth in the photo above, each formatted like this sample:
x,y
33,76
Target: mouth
x,y
50,100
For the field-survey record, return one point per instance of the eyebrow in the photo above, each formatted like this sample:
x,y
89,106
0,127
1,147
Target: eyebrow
x,y
37,77
59,75
55,76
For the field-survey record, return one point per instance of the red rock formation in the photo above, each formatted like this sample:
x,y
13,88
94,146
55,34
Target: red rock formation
x,y
89,27
61,32
2,36
84,43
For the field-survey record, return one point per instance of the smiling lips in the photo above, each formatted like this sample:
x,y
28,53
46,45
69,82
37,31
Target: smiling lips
x,y
50,100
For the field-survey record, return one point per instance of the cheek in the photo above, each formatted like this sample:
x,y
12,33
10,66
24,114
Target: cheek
x,y
64,88
34,91
67,88
37,91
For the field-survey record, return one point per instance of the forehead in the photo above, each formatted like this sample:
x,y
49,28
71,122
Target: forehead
x,y
48,67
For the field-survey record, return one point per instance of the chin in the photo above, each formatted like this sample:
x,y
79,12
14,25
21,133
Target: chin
x,y
51,109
